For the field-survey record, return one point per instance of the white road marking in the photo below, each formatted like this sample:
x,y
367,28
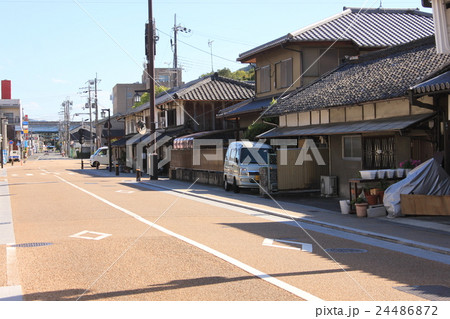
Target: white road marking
x,y
96,235
270,242
276,282
12,273
29,174
13,291
124,191
14,175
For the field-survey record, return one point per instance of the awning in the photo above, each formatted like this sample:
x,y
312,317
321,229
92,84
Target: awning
x,y
247,106
122,141
368,126
187,141
133,139
434,85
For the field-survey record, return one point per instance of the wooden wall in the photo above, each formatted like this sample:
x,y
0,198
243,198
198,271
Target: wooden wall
x,y
306,176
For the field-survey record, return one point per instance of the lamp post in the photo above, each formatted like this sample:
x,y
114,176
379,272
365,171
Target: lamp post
x,y
2,136
109,136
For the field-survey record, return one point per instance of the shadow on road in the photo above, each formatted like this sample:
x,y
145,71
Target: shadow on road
x,y
74,294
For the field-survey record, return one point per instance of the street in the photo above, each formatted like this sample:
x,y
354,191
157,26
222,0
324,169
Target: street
x,y
90,235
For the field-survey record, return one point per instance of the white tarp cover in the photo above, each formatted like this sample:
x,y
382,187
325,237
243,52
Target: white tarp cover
x,y
428,178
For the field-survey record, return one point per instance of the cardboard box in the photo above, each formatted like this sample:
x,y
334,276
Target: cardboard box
x,y
425,205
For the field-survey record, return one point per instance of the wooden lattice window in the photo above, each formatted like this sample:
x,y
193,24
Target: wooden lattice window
x,y
378,152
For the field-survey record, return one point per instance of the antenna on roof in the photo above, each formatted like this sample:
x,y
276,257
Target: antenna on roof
x,y
381,3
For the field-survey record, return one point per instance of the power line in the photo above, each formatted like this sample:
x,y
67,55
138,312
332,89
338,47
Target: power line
x,y
204,51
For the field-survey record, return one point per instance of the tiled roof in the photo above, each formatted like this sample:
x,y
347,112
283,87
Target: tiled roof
x,y
247,106
367,28
436,84
209,88
367,126
377,76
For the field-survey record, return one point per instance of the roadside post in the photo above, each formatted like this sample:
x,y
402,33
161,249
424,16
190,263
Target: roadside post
x,y
81,140
117,169
138,175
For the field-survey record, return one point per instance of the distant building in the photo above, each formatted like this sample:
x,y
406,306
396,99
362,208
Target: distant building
x,y
10,111
123,96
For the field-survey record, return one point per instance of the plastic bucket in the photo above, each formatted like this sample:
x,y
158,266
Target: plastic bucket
x,y
345,206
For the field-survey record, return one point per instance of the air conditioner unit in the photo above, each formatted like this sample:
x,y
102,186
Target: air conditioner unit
x,y
328,185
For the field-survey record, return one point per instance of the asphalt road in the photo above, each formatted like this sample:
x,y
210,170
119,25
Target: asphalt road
x,y
94,237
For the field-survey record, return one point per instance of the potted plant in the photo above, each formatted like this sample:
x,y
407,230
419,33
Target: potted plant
x,y
408,165
361,207
372,197
383,185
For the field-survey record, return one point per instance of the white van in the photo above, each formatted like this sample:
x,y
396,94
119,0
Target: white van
x,y
242,162
100,157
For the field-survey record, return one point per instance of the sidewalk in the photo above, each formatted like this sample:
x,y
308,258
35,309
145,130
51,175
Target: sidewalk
x,y
429,235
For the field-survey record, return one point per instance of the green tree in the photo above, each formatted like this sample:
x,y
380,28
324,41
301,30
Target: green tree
x,y
258,128
240,75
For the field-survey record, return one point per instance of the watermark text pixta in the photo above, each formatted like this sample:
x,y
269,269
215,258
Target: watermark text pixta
x,y
308,152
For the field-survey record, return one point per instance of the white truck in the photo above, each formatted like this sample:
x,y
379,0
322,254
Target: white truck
x,y
100,157
14,156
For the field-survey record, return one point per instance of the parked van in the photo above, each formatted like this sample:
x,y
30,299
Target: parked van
x,y
100,157
242,162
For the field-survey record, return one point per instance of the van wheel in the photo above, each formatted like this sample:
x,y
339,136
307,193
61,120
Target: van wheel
x,y
236,188
97,165
226,186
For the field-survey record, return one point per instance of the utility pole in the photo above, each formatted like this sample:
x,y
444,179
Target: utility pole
x,y
92,105
66,125
96,110
176,29
175,50
151,91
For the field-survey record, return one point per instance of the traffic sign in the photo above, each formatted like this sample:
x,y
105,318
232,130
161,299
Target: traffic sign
x,y
11,142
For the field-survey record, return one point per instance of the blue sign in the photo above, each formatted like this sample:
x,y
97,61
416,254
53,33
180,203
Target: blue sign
x,y
25,123
5,156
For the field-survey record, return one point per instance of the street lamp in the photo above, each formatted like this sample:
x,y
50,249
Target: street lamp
x,y
2,137
136,97
109,135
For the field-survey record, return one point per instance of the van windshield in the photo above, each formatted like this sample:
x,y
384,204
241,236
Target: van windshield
x,y
254,156
100,151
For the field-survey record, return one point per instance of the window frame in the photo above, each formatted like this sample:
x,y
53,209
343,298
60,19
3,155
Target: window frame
x,y
352,158
265,79
284,73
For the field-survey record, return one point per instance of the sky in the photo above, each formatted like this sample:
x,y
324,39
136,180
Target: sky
x,y
50,49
